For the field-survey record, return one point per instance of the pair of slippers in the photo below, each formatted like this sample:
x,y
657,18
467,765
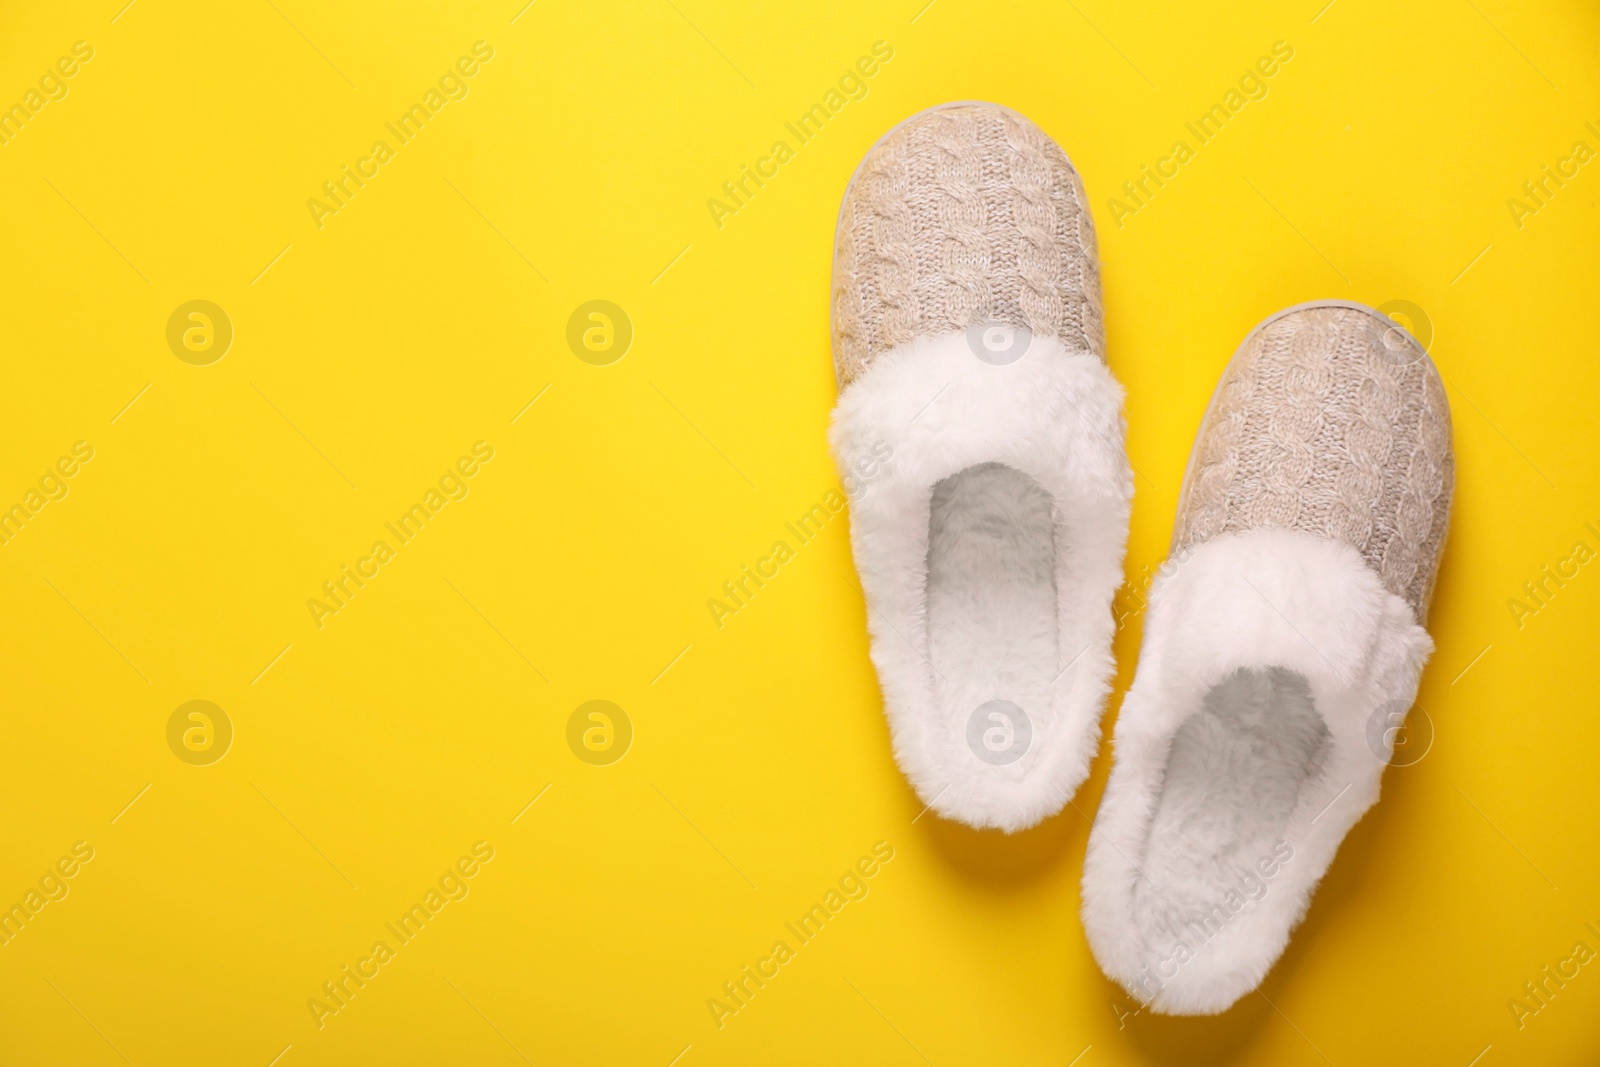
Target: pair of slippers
x,y
982,434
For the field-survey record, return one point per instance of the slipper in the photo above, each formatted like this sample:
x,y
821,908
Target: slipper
x,y
980,437
1282,648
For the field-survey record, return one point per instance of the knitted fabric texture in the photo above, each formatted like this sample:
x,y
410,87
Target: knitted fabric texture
x,y
1332,421
964,214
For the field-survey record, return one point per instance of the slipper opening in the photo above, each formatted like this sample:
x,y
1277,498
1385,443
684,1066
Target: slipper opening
x,y
1234,776
992,609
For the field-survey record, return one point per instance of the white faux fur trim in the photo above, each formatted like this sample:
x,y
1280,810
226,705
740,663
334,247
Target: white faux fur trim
x,y
1257,600
934,409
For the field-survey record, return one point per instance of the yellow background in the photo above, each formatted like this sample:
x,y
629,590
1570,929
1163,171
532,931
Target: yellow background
x,y
426,715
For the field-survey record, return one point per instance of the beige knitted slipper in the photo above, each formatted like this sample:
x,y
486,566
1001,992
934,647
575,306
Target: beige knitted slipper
x,y
980,433
1282,648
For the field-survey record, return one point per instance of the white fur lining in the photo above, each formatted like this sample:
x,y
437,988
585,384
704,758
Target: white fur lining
x,y
1027,552
1284,649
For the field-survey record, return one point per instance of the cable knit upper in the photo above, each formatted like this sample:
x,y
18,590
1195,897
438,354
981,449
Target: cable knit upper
x,y
1330,420
963,214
